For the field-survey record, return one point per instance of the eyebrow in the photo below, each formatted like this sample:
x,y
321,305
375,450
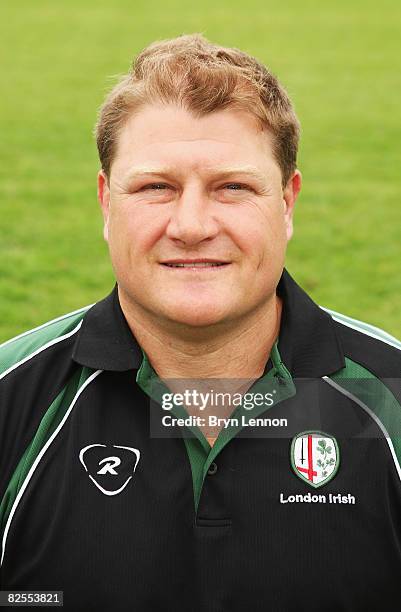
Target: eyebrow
x,y
218,172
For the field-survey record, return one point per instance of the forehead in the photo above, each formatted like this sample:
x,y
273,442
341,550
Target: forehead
x,y
172,137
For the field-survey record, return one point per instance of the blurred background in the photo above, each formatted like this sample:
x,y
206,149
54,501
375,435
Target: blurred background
x,y
341,64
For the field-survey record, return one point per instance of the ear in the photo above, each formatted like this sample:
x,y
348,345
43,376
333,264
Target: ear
x,y
103,195
290,194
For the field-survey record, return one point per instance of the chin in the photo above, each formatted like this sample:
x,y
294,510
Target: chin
x,y
196,317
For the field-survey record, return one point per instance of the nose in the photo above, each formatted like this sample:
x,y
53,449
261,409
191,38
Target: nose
x,y
192,219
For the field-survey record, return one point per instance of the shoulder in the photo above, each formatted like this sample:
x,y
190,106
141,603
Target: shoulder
x,y
370,346
26,346
35,368
372,376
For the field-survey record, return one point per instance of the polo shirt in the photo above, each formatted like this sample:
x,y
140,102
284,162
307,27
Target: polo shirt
x,y
297,506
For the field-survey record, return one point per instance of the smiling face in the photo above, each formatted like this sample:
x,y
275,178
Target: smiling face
x,y
183,189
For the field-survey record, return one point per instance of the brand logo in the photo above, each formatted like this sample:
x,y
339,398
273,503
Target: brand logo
x,y
111,463
112,473
315,457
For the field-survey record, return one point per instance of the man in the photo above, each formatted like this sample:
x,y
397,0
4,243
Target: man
x,y
123,483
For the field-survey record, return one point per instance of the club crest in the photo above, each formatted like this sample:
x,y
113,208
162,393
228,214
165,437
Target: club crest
x,y
315,457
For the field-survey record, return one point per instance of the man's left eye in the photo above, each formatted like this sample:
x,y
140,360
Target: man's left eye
x,y
236,186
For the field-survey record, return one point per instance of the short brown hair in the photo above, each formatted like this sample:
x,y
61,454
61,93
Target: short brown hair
x,y
202,77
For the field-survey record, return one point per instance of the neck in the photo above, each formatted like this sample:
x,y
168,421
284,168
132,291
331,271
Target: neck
x,y
236,350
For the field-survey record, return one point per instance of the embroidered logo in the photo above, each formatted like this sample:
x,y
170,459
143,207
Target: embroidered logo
x,y
315,457
110,473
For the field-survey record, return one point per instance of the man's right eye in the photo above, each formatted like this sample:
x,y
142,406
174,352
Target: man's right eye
x,y
154,186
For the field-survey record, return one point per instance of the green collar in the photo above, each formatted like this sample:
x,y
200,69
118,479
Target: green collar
x,y
277,381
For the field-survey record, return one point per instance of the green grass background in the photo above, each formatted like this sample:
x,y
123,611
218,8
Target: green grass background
x,y
340,62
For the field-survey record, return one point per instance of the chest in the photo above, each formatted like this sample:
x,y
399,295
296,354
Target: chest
x,y
116,507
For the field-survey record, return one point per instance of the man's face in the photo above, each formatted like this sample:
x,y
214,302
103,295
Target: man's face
x,y
186,189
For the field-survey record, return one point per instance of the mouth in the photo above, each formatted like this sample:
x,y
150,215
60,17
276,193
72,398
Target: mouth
x,y
198,265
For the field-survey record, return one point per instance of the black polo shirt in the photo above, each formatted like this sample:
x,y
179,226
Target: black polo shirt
x,y
297,505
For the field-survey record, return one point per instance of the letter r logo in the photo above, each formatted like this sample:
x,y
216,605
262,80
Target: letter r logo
x,y
102,470
111,463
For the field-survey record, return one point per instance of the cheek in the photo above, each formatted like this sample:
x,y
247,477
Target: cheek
x,y
134,230
265,233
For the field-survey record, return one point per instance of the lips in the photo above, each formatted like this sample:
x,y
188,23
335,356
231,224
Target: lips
x,y
194,263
